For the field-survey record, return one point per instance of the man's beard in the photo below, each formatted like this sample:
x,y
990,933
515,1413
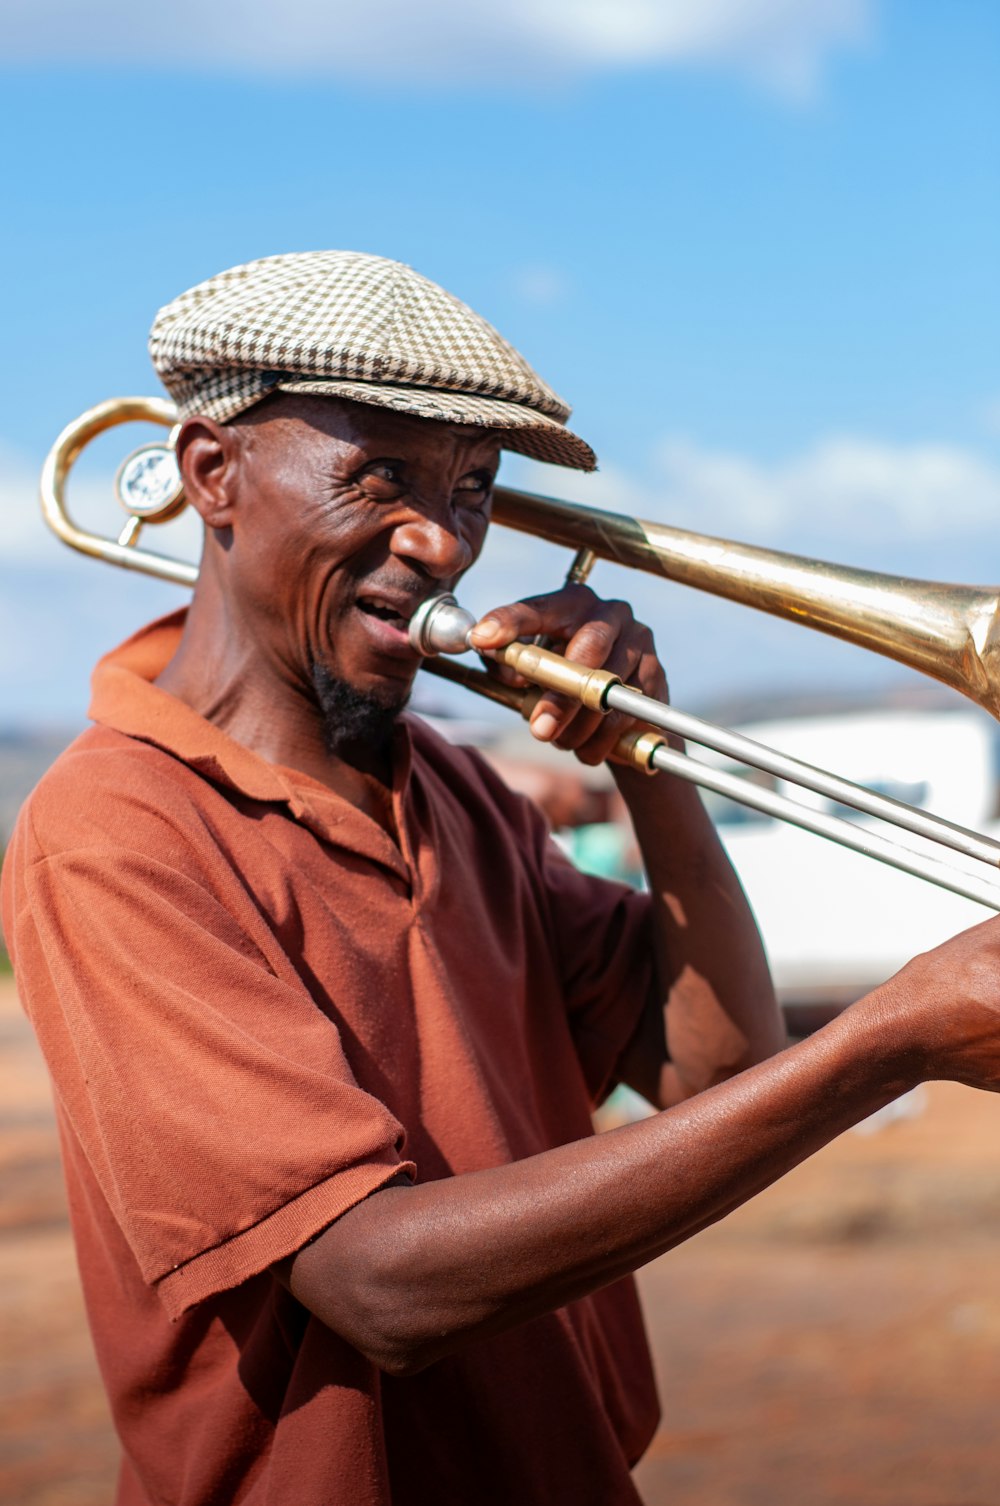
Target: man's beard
x,y
355,718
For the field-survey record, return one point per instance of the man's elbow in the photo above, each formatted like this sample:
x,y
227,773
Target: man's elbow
x,y
381,1326
745,1037
395,1353
370,1293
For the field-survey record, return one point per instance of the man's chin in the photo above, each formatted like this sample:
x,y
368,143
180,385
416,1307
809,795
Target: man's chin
x,y
354,717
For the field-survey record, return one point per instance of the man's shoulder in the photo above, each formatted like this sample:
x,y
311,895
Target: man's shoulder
x,y
105,787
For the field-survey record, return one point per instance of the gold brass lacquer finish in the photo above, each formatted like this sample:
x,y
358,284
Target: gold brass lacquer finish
x,y
60,461
949,632
440,625
542,667
635,747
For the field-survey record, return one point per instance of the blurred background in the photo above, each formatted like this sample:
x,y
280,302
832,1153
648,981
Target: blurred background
x,y
754,243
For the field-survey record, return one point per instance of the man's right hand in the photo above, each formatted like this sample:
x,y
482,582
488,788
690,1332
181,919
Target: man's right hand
x,y
943,1008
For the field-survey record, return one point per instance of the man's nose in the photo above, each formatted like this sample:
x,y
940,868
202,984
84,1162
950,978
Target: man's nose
x,y
432,538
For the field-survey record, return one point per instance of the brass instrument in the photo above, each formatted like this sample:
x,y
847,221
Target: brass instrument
x,y
950,632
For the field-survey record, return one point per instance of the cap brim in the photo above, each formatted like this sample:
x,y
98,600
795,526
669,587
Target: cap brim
x,y
522,429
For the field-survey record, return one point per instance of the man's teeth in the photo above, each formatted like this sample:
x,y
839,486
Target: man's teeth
x,y
387,614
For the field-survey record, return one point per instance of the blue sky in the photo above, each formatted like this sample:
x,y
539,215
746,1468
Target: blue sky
x,y
754,244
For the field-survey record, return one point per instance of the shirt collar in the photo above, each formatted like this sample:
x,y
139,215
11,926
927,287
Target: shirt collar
x,y
124,698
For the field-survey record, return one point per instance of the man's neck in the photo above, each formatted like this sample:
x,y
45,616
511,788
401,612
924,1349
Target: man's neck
x,y
280,722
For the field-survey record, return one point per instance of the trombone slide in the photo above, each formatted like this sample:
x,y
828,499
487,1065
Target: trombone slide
x,y
441,625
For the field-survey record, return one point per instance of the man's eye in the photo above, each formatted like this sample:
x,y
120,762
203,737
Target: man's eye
x,y
382,480
475,487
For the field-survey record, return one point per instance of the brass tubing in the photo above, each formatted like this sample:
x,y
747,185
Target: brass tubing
x,y
540,665
441,625
636,747
64,454
949,632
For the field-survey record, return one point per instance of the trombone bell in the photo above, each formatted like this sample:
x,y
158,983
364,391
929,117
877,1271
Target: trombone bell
x,y
949,632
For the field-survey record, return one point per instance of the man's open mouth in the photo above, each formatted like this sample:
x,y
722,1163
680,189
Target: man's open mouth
x,y
397,615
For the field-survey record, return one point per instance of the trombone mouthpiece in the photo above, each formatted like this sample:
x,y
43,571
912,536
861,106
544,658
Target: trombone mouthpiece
x,y
441,626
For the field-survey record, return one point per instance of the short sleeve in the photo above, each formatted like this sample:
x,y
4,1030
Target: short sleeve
x,y
209,1093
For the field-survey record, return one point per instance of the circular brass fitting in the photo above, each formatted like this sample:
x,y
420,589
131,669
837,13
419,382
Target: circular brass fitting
x,y
637,747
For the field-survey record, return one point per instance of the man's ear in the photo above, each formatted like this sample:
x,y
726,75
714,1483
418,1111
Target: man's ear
x,y
208,455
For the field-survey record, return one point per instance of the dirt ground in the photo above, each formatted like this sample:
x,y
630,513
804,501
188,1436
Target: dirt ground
x,y
837,1341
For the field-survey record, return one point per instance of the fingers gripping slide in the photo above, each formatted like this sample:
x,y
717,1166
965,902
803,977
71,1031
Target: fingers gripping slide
x,y
440,625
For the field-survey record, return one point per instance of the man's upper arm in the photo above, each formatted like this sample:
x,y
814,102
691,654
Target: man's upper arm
x,y
209,1093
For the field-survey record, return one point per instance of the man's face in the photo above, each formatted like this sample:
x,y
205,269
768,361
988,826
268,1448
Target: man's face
x,y
348,517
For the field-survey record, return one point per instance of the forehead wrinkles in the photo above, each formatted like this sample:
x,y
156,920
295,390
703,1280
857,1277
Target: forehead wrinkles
x,y
452,450
353,433
285,444
391,436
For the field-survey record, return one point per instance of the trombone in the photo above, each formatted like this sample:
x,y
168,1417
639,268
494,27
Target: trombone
x,y
950,632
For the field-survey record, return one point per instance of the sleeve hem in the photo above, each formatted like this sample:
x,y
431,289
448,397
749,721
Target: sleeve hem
x,y
279,1234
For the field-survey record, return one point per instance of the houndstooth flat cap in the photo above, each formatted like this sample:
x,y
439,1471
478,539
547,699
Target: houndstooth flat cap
x,y
347,324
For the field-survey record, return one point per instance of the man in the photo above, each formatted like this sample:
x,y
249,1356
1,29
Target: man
x,y
325,1011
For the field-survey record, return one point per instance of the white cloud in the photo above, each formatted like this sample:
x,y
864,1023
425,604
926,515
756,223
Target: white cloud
x,y
851,488
539,285
782,43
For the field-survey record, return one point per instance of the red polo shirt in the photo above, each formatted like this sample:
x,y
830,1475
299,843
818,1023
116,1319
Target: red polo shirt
x,y
257,1008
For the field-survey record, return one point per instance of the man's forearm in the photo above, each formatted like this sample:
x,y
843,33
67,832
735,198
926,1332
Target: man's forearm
x,y
721,1013
413,1273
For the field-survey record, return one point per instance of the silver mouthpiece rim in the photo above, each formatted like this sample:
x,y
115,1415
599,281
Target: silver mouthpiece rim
x,y
441,626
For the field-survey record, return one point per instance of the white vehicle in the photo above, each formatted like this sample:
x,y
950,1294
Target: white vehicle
x,y
835,923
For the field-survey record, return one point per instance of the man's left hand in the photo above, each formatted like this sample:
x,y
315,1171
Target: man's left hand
x,y
599,634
